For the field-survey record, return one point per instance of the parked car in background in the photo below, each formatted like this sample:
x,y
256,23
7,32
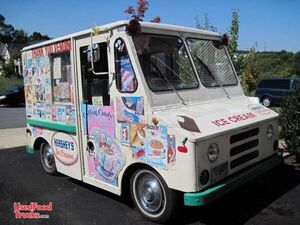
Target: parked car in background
x,y
14,95
271,91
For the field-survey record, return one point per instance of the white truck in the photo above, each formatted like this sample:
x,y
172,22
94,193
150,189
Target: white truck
x,y
154,109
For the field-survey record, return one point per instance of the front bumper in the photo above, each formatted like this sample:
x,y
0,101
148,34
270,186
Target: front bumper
x,y
209,195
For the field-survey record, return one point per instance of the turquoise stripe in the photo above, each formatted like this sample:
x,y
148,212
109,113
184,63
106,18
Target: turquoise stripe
x,y
52,125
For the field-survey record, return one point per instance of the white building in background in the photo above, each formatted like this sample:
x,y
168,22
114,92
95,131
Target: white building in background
x,y
4,54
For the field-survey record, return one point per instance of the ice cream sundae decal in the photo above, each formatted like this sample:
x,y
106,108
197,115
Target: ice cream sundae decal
x,y
150,143
107,160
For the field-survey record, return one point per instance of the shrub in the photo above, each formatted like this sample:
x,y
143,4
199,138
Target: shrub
x,y
290,120
8,69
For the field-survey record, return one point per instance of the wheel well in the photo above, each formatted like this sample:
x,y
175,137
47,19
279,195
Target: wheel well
x,y
38,143
127,175
266,95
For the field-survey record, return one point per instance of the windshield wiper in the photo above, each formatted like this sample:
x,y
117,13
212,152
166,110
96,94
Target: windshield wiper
x,y
166,79
211,74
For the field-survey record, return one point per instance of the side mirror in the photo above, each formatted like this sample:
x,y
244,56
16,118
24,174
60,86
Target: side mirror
x,y
93,53
225,39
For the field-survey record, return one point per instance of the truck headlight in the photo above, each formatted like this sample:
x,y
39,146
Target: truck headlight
x,y
2,97
270,131
213,152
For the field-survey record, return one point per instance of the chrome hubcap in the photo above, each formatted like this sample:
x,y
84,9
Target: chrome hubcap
x,y
48,157
149,193
266,102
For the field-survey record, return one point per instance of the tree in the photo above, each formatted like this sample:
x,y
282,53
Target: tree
x,y
139,12
290,121
296,67
8,69
8,34
250,70
6,31
21,37
37,36
233,33
207,24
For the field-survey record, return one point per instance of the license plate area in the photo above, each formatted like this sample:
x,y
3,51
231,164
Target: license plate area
x,y
219,172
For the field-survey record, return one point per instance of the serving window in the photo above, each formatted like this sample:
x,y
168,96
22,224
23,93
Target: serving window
x,y
61,75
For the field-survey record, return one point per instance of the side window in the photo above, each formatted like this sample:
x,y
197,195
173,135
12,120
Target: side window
x,y
262,84
61,77
282,84
296,83
125,76
95,87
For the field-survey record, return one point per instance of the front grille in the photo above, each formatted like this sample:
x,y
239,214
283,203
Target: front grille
x,y
244,135
250,142
245,158
244,147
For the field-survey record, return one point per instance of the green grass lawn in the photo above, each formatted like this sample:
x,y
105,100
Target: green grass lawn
x,y
6,82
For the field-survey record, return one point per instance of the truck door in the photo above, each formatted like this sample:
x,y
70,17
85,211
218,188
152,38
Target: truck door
x,y
102,156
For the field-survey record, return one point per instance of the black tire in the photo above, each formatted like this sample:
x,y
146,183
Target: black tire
x,y
266,101
48,159
152,197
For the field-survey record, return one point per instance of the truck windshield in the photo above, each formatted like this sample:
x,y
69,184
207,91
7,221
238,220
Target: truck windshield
x,y
212,63
165,63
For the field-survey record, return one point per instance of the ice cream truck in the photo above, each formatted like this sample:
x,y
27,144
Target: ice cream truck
x,y
150,110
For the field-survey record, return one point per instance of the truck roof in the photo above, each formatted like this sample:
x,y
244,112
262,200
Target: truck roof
x,y
166,27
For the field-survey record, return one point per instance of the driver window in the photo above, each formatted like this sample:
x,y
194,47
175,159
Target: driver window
x,y
125,76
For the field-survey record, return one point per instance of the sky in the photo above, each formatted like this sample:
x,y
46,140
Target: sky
x,y
271,25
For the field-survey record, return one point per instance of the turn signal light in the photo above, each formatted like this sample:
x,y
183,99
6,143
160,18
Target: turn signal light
x,y
182,149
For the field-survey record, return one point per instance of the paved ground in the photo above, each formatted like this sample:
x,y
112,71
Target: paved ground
x,y
12,117
13,137
271,199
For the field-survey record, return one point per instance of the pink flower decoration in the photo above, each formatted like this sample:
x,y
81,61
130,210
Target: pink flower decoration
x,y
156,20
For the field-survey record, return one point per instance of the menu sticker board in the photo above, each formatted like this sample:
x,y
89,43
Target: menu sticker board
x,y
125,132
101,117
172,151
150,143
130,109
60,113
157,146
138,140
97,100
127,75
57,68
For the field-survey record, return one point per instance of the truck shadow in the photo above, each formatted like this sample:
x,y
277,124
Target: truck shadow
x,y
247,201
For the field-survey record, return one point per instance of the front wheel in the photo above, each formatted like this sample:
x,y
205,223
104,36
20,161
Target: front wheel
x,y
47,159
151,196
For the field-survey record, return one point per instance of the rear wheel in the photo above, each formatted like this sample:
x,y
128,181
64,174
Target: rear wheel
x,y
151,196
47,159
266,101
